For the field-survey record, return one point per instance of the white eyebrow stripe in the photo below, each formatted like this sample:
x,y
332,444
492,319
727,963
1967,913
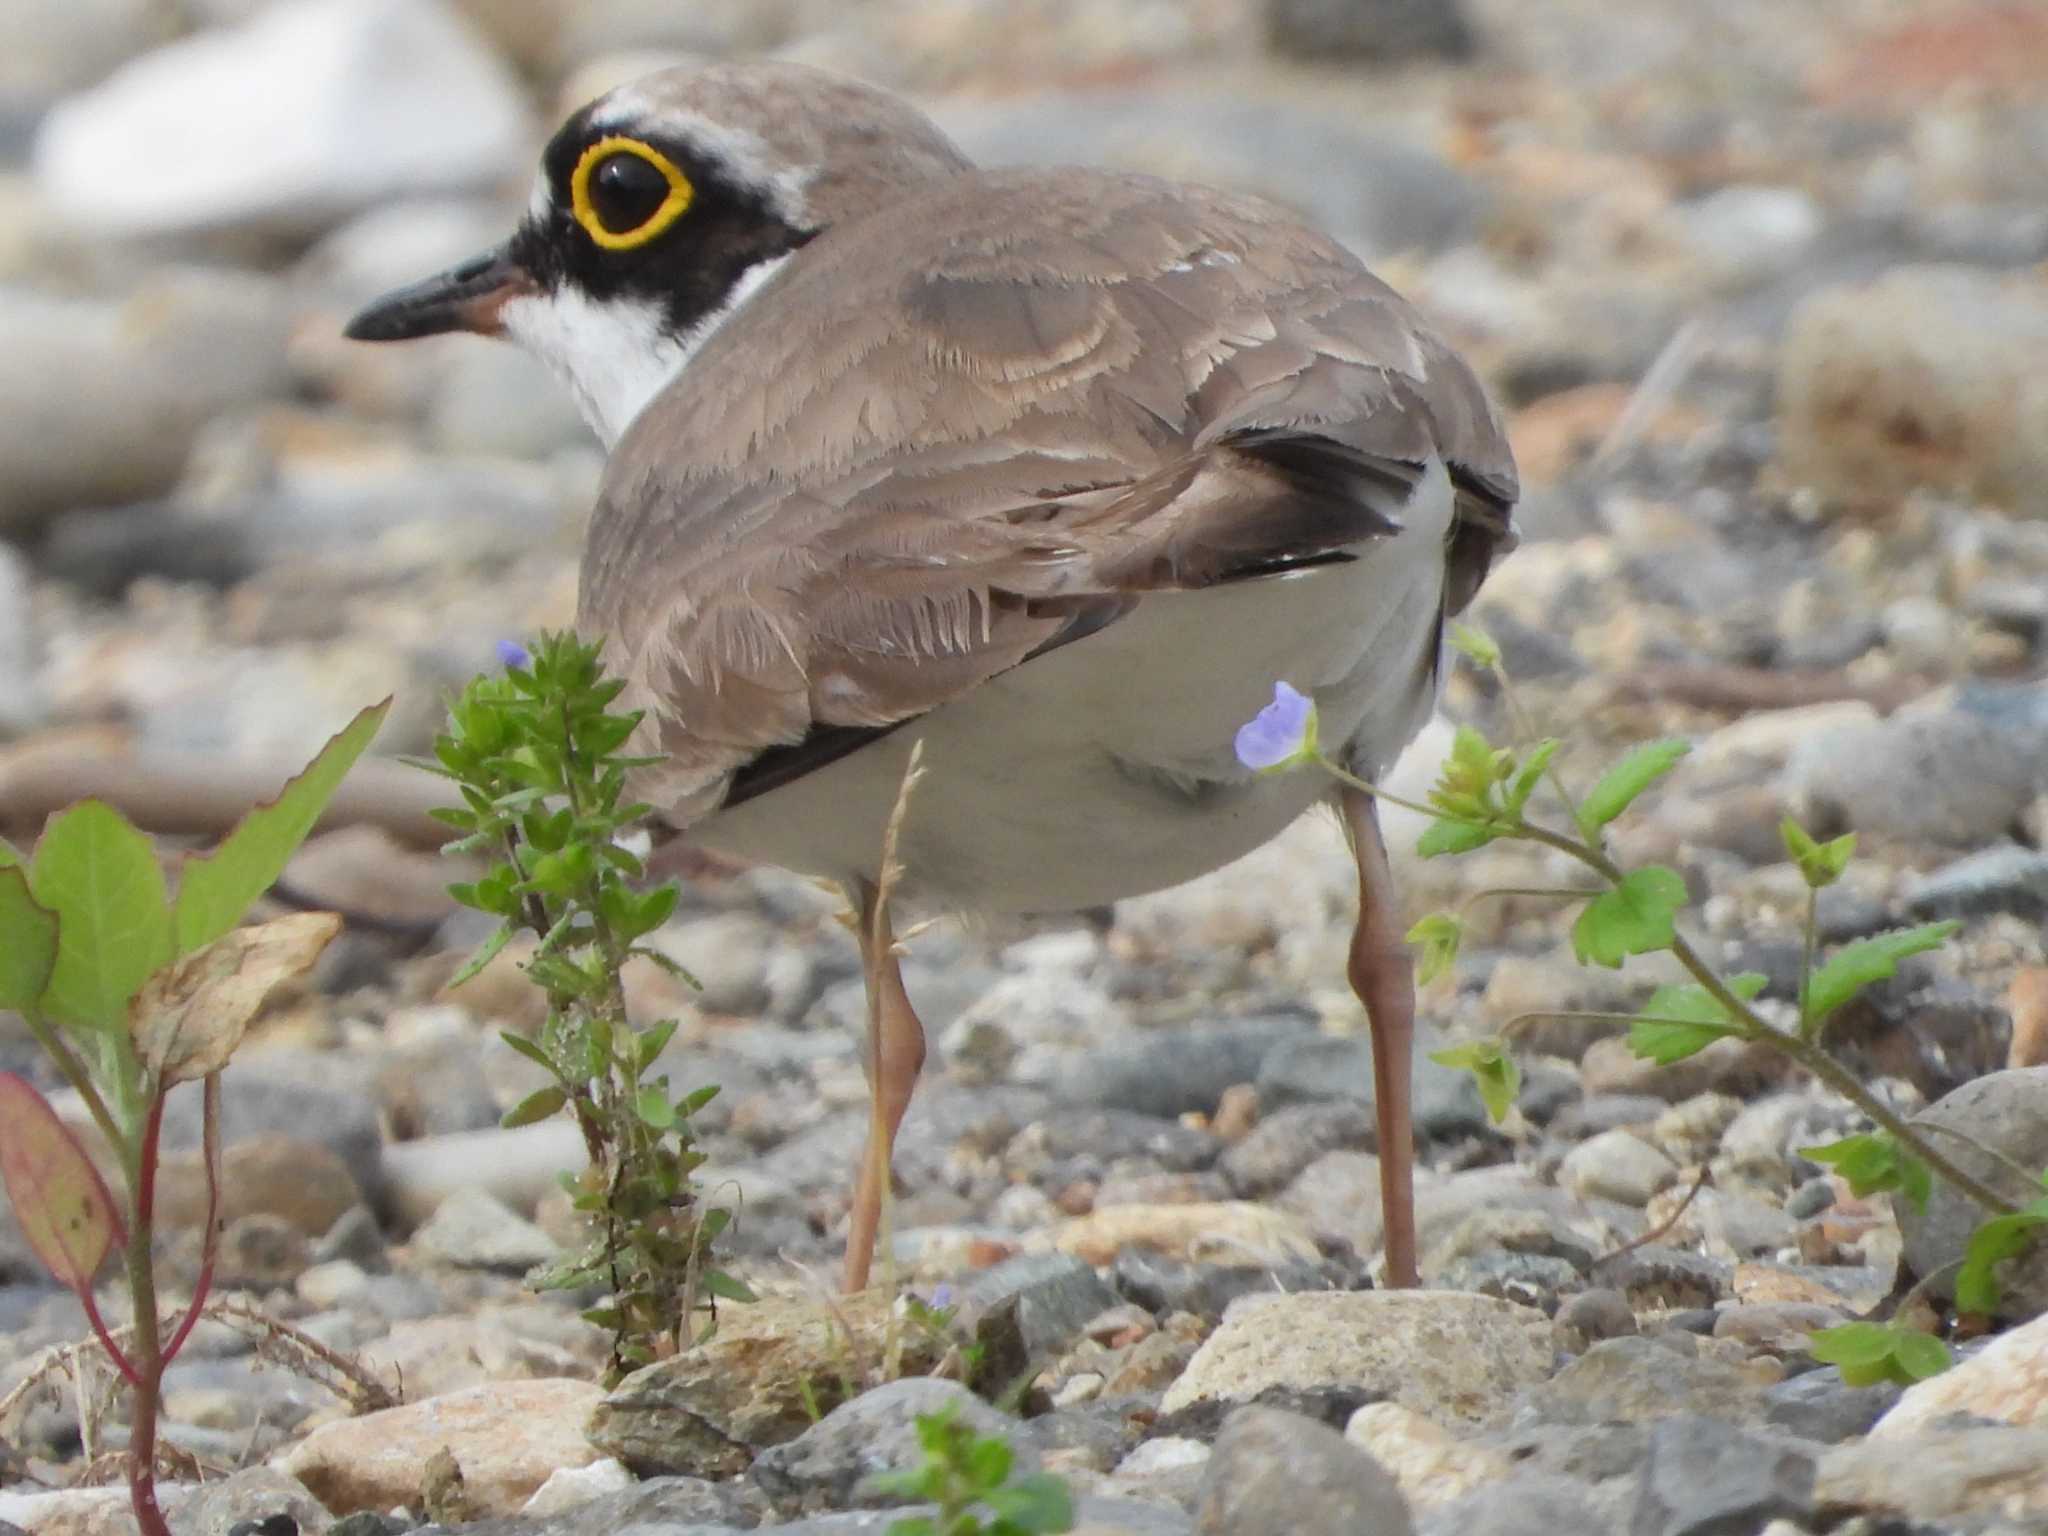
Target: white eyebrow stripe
x,y
744,157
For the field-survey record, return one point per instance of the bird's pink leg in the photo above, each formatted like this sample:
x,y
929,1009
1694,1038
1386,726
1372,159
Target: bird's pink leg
x,y
895,1056
1384,980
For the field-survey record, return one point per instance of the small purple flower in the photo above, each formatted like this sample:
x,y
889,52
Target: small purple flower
x,y
512,654
942,1296
1282,734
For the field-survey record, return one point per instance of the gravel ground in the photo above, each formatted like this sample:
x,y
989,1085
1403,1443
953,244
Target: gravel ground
x,y
1762,288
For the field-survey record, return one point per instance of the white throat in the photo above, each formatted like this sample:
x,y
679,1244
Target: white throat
x,y
615,357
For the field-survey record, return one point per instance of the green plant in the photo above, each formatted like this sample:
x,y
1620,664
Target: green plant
x,y
965,1474
1484,794
132,991
537,756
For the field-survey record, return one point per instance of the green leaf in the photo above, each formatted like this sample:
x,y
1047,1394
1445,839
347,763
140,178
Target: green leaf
x,y
651,1043
218,888
1820,864
1493,1071
1995,1241
653,1107
1874,1163
725,1287
486,952
60,1202
537,1105
1437,936
1530,773
1447,836
527,1048
1636,917
1680,1021
1920,1355
1040,1504
101,879
1864,1352
1619,785
1856,966
1475,644
28,941
988,1462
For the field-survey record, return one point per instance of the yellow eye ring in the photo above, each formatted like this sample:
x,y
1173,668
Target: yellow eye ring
x,y
673,207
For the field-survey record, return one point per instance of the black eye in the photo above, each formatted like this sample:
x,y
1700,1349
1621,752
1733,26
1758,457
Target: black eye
x,y
626,191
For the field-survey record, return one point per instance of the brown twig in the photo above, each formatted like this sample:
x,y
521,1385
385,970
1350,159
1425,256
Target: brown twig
x,y
203,796
1706,1175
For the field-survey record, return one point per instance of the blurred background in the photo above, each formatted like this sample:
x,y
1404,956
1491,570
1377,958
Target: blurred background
x,y
1683,242
1760,286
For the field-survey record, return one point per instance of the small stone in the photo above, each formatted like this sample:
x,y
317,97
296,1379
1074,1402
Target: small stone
x,y
2006,1380
1166,1285
508,1438
1289,1140
304,1186
1316,1068
1338,1196
260,1253
1821,1407
2006,1111
1637,1380
471,1230
1656,1277
1780,1327
1743,236
1937,1475
826,1466
1918,379
1518,1505
1705,1477
1951,777
1430,1465
212,145
1027,1309
1177,1072
356,1237
1601,1313
1618,1166
119,392
2008,879
1279,1474
1234,1232
709,1411
1382,31
1448,1356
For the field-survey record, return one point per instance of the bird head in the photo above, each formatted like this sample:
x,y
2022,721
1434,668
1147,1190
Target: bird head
x,y
659,210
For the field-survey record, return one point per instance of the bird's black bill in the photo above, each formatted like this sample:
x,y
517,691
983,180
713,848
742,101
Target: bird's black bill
x,y
464,298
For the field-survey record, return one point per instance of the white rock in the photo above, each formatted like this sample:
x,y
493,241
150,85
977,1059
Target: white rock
x,y
2006,1380
1616,1165
1747,235
314,109
102,401
570,1486
22,699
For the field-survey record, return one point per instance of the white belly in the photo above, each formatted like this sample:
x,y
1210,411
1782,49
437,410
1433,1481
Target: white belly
x,y
1106,768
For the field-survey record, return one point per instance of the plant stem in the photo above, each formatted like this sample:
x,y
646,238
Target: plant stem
x,y
1754,1026
209,1242
1806,1020
148,1352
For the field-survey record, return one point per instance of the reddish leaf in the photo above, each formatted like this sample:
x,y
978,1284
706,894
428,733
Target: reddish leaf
x,y
59,1198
